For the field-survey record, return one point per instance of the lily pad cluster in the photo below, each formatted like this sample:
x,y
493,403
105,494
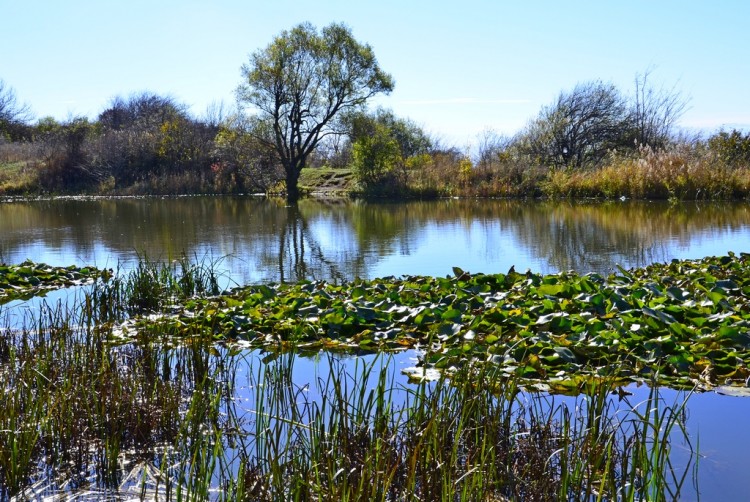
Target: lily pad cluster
x,y
31,279
683,323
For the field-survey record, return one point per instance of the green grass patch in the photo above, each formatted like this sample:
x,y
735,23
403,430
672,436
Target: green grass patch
x,y
327,180
17,178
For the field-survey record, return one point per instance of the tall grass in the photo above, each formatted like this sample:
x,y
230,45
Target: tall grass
x,y
151,287
468,438
679,172
683,171
72,404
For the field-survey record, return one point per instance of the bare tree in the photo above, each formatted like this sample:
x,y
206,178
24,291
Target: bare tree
x,y
655,112
144,110
215,114
490,148
13,115
300,83
579,128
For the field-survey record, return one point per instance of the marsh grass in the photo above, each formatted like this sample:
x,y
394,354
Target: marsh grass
x,y
151,286
683,171
467,438
677,173
81,416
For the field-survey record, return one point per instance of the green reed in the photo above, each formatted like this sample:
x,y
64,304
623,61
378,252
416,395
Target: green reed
x,y
472,437
151,286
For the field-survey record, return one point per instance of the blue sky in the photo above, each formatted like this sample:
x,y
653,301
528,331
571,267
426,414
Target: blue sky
x,y
460,67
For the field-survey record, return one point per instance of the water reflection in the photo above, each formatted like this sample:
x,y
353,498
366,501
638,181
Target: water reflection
x,y
264,240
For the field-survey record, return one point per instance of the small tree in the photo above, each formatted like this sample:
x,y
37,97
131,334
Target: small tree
x,y
376,157
732,148
63,147
301,82
382,146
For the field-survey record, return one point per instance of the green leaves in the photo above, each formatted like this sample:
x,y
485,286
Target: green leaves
x,y
684,323
31,279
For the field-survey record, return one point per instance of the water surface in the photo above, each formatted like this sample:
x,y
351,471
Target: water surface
x,y
258,240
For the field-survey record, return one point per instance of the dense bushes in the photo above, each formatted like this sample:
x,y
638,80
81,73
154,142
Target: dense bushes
x,y
731,148
592,141
141,144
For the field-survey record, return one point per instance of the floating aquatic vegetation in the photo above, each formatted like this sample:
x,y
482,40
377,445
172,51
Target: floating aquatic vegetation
x,y
682,324
112,398
31,279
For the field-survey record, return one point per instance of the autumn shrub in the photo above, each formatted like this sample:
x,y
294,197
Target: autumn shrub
x,y
435,174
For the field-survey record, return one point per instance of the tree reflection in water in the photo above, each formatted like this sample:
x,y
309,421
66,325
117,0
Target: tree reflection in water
x,y
262,240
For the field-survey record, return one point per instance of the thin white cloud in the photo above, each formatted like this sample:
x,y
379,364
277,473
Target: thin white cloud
x,y
464,101
736,122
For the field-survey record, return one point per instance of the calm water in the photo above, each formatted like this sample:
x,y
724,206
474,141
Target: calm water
x,y
256,240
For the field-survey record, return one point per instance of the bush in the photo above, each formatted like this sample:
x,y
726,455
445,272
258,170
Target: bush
x,y
731,148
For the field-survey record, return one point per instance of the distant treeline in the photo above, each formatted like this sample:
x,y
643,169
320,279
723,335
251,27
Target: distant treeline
x,y
592,141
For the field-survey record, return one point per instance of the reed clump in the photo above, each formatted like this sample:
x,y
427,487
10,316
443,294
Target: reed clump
x,y
468,438
151,286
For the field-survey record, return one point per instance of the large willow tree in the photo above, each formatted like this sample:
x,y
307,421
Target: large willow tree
x,y
300,83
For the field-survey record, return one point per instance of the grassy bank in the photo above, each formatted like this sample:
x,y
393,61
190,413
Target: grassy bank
x,y
681,172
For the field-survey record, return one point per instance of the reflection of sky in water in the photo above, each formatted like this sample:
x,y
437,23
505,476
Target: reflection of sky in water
x,y
438,247
714,422
714,242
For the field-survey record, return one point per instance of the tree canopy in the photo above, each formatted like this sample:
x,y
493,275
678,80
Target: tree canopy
x,y
300,83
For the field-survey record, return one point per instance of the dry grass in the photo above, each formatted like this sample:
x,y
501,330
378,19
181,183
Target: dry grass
x,y
18,168
681,172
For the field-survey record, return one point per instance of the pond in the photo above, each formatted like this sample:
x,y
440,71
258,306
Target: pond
x,y
254,240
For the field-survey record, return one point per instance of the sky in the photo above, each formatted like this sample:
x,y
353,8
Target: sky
x,y
461,68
